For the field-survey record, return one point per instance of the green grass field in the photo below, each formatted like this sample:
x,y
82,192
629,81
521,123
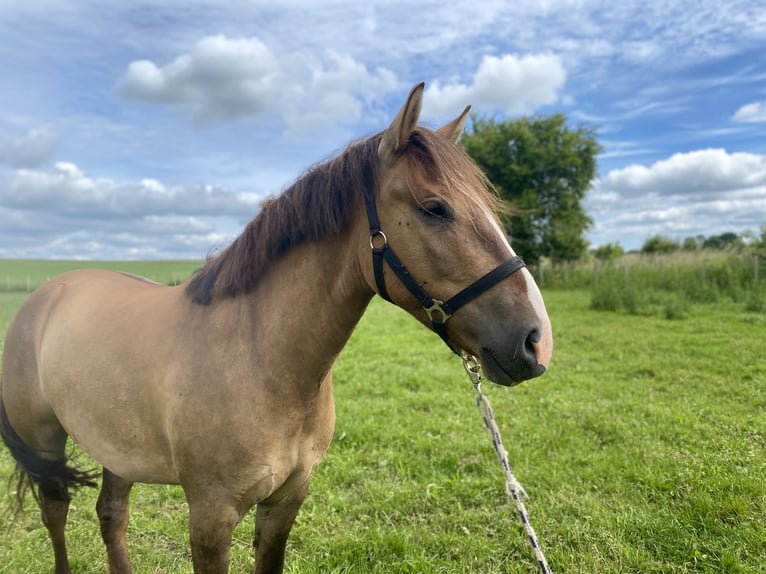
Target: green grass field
x,y
23,275
642,451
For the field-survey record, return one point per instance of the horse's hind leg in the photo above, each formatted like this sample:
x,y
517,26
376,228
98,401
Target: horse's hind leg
x,y
54,517
43,465
112,510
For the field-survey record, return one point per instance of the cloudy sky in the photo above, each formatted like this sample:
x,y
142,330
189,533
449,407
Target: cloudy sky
x,y
154,130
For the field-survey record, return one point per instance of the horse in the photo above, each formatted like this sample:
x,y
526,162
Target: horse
x,y
223,384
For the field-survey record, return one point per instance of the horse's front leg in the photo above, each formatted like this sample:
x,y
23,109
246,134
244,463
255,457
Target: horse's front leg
x,y
273,521
212,519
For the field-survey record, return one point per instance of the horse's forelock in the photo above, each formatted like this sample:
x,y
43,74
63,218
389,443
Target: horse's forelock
x,y
460,181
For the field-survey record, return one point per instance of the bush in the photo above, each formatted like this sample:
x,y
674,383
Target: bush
x,y
756,302
606,296
676,308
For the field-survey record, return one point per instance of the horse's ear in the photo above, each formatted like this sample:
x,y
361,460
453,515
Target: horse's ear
x,y
454,129
398,133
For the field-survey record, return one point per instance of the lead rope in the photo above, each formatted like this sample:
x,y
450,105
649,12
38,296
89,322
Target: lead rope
x,y
513,488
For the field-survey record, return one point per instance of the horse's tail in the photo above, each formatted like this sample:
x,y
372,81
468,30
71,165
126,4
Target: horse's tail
x,y
52,476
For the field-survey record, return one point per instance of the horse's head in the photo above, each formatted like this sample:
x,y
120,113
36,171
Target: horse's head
x,y
436,212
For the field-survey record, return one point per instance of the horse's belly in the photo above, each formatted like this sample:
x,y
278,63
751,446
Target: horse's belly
x,y
128,447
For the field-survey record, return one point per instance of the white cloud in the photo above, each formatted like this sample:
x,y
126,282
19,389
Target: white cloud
x,y
751,113
65,189
232,78
701,192
221,78
31,150
695,174
511,84
65,212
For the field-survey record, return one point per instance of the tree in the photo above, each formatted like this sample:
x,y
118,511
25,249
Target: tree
x,y
659,244
608,252
726,240
542,169
756,244
691,244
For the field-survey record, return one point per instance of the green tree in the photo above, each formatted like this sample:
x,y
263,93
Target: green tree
x,y
542,169
691,244
756,243
659,244
608,252
726,240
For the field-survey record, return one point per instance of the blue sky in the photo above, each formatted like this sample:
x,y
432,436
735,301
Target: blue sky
x,y
155,129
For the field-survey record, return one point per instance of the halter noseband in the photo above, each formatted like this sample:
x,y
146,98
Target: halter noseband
x,y
438,311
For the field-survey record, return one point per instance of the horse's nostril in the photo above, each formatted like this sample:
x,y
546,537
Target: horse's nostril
x,y
533,337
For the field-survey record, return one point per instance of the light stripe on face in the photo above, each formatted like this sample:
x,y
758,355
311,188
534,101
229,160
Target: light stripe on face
x,y
545,346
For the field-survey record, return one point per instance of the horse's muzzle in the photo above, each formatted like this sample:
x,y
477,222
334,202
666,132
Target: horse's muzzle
x,y
526,357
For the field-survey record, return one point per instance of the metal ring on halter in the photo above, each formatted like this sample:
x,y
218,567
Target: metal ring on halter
x,y
471,364
378,234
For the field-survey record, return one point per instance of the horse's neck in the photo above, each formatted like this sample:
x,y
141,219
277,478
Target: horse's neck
x,y
307,305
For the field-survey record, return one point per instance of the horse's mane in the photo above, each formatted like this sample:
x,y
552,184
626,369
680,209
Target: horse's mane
x,y
320,202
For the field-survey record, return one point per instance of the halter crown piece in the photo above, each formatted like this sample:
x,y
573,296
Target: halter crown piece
x,y
438,311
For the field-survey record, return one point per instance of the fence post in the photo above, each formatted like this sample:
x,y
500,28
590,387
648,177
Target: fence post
x,y
755,265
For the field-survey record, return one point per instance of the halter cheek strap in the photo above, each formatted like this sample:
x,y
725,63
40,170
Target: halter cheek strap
x,y
438,312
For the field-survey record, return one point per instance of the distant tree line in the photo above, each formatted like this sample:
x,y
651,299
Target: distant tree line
x,y
729,241
748,241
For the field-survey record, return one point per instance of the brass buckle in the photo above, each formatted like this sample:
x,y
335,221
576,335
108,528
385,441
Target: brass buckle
x,y
437,307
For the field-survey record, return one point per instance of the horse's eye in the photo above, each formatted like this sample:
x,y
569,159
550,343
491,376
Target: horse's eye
x,y
437,209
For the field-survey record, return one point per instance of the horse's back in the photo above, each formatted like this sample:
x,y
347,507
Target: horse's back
x,y
77,301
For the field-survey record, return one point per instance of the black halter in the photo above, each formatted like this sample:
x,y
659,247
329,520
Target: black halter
x,y
438,311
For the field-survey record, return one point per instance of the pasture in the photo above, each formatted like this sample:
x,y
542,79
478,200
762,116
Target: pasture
x,y
642,451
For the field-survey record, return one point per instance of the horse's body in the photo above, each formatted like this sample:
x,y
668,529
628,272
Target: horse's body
x,y
223,385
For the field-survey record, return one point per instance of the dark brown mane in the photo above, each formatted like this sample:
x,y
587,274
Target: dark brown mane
x,y
320,202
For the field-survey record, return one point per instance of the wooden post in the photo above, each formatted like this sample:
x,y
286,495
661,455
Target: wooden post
x,y
755,265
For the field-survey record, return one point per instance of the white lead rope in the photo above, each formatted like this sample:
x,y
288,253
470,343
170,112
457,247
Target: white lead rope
x,y
513,488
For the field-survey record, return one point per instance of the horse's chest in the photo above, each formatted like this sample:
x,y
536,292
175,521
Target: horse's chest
x,y
260,449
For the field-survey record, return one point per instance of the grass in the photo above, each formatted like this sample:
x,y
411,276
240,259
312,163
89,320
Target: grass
x,y
635,282
24,275
642,451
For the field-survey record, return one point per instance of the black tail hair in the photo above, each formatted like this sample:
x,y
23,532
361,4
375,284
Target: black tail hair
x,y
53,477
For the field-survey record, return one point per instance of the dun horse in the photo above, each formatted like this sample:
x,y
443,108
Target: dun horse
x,y
223,385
